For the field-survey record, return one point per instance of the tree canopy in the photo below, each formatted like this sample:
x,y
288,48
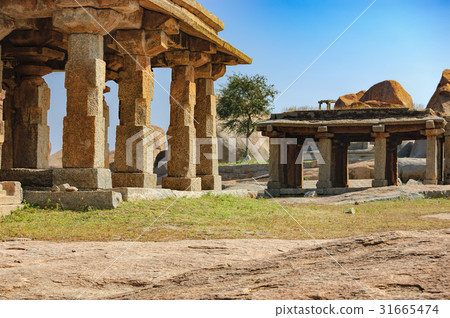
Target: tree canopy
x,y
244,100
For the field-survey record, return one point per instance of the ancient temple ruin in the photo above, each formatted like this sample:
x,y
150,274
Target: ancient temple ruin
x,y
334,130
94,41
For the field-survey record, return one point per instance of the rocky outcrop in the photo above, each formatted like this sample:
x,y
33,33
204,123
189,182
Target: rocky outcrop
x,y
440,101
387,94
347,100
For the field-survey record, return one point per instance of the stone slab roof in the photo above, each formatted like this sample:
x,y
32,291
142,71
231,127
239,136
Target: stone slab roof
x,y
353,117
193,18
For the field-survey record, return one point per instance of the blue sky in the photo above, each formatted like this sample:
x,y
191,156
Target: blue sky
x,y
402,40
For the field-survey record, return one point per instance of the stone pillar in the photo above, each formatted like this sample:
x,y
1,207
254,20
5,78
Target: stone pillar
x,y
432,169
380,136
276,169
181,166
133,166
447,153
106,116
84,124
326,151
205,115
31,132
392,162
9,114
294,169
2,98
340,164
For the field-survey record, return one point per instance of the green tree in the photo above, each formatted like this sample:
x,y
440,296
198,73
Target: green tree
x,y
245,100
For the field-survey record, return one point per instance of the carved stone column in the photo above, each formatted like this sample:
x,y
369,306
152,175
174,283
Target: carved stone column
x,y
133,166
2,98
340,164
31,132
205,115
326,151
447,153
181,167
84,125
6,27
432,169
380,155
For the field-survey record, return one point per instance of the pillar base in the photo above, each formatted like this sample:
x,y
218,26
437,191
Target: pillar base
x,y
134,180
211,182
182,184
324,184
84,178
274,185
430,182
379,183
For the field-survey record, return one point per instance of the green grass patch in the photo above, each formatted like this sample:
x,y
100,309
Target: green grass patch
x,y
223,217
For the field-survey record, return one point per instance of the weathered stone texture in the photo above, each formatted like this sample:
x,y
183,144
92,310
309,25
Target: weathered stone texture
x,y
84,125
440,101
181,167
387,94
31,132
205,124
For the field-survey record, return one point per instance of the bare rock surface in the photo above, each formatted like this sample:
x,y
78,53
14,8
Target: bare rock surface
x,y
393,265
386,94
440,101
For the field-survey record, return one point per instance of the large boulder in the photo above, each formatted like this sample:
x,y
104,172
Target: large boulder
x,y
387,94
440,101
419,149
347,100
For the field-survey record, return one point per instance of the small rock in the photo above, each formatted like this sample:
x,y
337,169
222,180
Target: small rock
x,y
350,211
412,182
310,194
357,203
55,188
64,186
18,262
72,189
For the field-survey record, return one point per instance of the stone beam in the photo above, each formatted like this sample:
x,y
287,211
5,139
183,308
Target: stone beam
x,y
122,6
157,21
200,45
6,26
186,58
86,20
205,125
139,42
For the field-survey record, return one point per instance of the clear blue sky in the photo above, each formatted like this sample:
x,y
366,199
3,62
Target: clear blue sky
x,y
402,40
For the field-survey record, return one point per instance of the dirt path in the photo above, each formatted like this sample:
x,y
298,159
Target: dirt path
x,y
396,265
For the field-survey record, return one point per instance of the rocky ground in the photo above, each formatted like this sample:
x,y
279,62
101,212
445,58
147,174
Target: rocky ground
x,y
395,265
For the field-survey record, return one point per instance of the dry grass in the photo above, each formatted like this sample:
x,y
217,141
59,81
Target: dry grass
x,y
222,218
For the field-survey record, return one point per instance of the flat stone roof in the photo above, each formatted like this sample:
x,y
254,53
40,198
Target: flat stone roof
x,y
352,117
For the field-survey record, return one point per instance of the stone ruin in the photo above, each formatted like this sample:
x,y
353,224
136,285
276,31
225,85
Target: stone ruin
x,y
94,41
382,115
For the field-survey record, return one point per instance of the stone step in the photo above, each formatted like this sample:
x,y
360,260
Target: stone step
x,y
7,209
3,192
8,200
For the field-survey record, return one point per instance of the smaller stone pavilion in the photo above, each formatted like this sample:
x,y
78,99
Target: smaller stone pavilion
x,y
334,130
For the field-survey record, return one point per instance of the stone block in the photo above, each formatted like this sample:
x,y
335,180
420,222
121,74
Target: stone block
x,y
379,183
182,184
134,180
28,177
80,200
84,178
211,182
323,184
